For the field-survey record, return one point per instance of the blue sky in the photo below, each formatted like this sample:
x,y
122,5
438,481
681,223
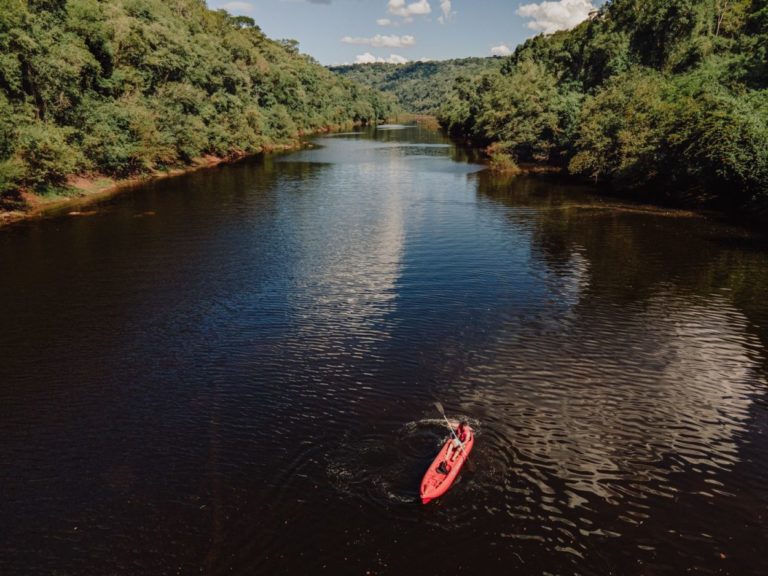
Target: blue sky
x,y
348,31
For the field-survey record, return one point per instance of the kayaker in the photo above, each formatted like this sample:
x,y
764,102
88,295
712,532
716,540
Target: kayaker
x,y
462,432
462,435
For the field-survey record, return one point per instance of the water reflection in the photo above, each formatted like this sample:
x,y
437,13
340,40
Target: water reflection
x,y
603,415
266,341
347,268
636,384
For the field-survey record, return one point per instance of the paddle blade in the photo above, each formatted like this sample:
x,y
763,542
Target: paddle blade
x,y
440,408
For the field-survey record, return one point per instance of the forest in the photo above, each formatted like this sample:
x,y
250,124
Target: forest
x,y
657,98
419,87
124,87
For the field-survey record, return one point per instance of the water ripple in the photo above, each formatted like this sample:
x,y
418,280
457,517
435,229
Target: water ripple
x,y
244,382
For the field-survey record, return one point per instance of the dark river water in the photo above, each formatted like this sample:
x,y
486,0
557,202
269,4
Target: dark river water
x,y
234,372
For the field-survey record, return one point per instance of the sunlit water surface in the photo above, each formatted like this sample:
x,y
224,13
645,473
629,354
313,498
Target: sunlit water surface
x,y
234,371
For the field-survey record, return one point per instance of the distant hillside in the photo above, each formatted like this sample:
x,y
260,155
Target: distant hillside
x,y
420,87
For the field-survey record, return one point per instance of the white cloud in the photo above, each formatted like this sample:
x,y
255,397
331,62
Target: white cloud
x,y
397,59
381,41
366,58
549,17
384,22
238,7
501,50
408,11
446,9
369,58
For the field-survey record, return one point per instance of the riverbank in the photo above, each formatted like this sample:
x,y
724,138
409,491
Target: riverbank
x,y
82,190
426,121
753,215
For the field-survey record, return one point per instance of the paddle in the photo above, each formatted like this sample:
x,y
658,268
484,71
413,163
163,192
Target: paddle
x,y
440,409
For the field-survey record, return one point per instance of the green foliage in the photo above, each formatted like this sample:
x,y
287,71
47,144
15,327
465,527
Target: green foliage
x,y
661,95
420,87
11,171
46,154
619,135
721,141
126,86
8,127
502,162
664,33
756,43
125,137
527,112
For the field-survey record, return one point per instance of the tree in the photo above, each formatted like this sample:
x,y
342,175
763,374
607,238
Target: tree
x,y
620,131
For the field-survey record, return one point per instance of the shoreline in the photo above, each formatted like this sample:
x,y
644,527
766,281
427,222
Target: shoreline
x,y
86,189
753,218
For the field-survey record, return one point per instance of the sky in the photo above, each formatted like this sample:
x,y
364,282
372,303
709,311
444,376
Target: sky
x,y
349,31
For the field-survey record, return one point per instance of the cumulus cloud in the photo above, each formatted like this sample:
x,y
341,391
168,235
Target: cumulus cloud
x,y
447,11
384,22
381,41
369,58
501,50
549,17
366,58
238,7
408,11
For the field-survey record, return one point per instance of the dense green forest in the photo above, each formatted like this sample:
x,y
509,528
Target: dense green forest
x,y
669,96
120,87
420,87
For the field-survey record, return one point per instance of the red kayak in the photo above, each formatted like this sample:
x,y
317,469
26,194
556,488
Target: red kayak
x,y
438,477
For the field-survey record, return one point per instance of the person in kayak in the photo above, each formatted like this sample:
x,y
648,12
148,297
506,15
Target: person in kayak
x,y
462,435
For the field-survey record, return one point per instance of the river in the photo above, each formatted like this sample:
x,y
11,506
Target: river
x,y
234,371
